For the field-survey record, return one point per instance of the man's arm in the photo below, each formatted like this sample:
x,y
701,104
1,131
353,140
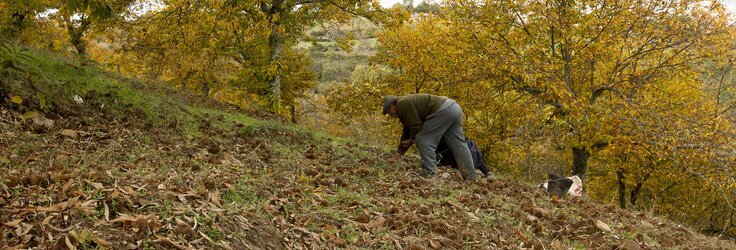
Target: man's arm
x,y
404,136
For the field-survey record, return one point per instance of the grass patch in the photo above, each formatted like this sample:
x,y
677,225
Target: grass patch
x,y
227,119
243,196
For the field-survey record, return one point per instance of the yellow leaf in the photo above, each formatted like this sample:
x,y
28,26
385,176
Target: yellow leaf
x,y
17,99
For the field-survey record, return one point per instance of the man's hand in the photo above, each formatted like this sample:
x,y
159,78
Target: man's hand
x,y
407,143
394,158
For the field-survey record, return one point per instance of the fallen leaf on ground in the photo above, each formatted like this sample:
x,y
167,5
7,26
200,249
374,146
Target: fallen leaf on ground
x,y
13,223
602,226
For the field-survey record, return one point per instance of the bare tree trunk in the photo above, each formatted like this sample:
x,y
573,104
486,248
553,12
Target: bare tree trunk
x,y
635,194
275,45
76,34
580,162
637,189
568,70
185,81
621,188
293,114
205,89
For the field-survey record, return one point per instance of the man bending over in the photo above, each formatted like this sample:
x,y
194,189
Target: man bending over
x,y
427,119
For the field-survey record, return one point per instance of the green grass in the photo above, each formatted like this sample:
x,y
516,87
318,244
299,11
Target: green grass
x,y
55,80
243,196
346,196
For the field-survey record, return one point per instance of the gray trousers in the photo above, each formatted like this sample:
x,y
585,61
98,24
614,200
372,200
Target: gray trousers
x,y
445,124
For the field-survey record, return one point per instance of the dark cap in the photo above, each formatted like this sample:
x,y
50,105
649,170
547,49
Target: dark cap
x,y
387,102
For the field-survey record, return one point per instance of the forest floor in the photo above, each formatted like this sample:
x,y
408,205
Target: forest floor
x,y
177,171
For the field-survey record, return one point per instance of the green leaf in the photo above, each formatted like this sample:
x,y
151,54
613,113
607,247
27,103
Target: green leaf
x,y
42,100
17,100
29,115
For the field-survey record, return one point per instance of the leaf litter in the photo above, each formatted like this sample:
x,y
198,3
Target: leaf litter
x,y
94,180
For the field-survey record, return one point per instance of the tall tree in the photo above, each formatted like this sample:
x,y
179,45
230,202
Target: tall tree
x,y
287,20
183,42
257,35
572,55
79,16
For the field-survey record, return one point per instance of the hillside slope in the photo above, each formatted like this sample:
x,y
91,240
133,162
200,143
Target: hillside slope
x,y
139,166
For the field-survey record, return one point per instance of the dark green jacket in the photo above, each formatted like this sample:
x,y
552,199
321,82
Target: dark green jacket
x,y
413,111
